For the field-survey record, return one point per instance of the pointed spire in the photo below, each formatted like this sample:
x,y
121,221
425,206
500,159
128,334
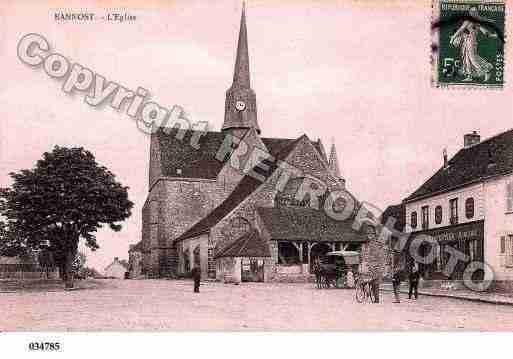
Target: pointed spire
x,y
241,72
240,112
333,161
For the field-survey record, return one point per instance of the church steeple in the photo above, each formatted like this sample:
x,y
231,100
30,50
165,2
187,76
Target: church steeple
x,y
241,72
240,106
333,162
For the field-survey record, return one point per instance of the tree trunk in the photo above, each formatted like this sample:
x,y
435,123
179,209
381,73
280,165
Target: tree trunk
x,y
68,270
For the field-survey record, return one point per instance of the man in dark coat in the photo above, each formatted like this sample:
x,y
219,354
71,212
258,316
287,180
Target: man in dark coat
x,y
414,282
196,276
396,282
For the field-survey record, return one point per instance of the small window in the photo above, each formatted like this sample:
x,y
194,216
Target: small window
x,y
425,217
453,204
469,208
509,197
414,220
438,214
506,251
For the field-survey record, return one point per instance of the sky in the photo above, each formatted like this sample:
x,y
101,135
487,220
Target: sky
x,y
356,73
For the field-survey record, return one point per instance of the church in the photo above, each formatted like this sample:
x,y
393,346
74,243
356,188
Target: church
x,y
241,206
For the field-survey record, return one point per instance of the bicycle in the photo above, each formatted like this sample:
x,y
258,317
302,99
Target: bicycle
x,y
363,290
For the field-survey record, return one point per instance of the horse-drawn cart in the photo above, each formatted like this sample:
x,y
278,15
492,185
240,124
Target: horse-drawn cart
x,y
337,269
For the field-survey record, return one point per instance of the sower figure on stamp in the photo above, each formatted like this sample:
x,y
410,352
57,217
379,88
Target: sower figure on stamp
x,y
414,282
196,276
466,39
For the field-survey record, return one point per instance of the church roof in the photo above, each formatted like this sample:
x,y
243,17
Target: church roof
x,y
491,157
297,223
244,188
178,158
250,244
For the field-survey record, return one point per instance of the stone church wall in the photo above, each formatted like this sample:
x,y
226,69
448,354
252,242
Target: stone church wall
x,y
150,232
182,204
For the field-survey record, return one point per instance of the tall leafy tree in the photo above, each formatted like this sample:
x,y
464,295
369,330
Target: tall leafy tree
x,y
65,198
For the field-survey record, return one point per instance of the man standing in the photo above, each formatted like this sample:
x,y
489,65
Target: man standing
x,y
196,275
414,282
396,282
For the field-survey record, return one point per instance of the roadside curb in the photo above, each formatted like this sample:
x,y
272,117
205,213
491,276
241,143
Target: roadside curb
x,y
454,296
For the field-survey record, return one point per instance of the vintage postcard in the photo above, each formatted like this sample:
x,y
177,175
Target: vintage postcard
x,y
255,166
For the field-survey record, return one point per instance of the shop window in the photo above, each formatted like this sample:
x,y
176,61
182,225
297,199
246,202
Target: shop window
x,y
438,214
438,257
425,217
413,220
469,208
453,204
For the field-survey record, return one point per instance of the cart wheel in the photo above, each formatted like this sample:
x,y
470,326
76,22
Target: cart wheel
x,y
359,293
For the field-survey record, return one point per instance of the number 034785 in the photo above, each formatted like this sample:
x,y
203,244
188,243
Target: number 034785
x,y
45,346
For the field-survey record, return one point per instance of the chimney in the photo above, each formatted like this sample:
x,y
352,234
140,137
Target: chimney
x,y
446,162
471,139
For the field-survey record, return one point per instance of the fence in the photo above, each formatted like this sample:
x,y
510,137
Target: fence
x,y
27,271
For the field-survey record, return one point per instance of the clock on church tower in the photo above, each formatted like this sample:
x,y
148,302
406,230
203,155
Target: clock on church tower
x,y
240,106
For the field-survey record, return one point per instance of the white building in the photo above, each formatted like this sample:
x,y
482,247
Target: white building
x,y
468,205
116,269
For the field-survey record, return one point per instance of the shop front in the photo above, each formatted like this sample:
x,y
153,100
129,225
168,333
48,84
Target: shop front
x,y
456,246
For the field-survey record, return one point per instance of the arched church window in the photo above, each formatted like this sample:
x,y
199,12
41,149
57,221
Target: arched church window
x,y
186,261
196,256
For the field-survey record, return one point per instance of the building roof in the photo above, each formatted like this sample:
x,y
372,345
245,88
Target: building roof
x,y
121,262
297,223
250,244
489,158
178,158
244,188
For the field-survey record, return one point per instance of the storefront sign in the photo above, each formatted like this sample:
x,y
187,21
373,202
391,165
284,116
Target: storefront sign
x,y
462,232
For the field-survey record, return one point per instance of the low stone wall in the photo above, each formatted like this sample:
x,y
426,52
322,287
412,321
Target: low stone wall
x,y
290,269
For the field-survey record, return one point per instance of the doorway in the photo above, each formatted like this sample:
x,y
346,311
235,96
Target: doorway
x,y
252,270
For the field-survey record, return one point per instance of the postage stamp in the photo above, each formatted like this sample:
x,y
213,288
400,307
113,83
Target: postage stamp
x,y
468,43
